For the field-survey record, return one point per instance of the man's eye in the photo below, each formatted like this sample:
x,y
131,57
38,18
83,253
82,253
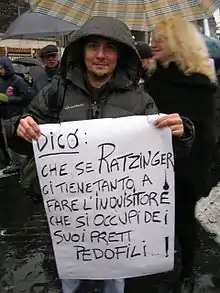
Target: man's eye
x,y
111,47
92,45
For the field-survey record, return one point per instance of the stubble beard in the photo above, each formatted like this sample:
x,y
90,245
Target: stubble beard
x,y
99,76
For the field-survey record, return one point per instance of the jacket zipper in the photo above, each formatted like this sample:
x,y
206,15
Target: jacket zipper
x,y
94,110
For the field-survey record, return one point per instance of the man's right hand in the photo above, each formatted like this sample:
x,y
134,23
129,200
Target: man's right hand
x,y
28,129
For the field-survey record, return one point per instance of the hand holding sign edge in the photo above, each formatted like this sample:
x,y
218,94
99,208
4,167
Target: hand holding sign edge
x,y
173,121
28,129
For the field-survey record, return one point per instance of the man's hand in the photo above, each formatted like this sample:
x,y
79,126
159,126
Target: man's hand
x,y
28,129
173,121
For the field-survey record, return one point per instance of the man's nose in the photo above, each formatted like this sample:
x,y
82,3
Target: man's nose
x,y
101,52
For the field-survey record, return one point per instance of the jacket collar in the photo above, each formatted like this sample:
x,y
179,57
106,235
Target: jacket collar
x,y
119,83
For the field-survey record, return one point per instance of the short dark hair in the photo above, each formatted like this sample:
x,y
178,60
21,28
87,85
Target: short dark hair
x,y
48,50
144,50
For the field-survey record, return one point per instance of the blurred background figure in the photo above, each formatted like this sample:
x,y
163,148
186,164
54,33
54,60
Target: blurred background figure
x,y
215,170
50,59
146,55
13,99
29,68
183,81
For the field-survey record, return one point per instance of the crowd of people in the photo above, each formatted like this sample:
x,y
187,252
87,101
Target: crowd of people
x,y
18,87
109,75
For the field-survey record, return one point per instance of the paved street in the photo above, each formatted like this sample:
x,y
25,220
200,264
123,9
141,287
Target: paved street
x,y
26,257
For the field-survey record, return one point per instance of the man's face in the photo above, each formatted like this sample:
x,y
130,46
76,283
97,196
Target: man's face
x,y
146,62
101,56
51,60
2,71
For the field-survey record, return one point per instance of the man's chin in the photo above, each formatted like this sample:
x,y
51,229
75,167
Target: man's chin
x,y
51,65
100,74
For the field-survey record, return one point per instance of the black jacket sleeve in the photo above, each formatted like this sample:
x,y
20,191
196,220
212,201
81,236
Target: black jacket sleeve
x,y
39,111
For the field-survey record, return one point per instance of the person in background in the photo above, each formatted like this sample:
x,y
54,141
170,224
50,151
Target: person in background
x,y
50,59
99,69
22,71
146,55
183,81
13,97
215,170
217,68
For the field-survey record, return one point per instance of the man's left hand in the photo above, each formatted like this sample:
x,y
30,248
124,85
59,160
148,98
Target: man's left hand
x,y
173,121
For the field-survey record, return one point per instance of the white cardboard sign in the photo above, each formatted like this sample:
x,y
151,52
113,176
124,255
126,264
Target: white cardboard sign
x,y
108,191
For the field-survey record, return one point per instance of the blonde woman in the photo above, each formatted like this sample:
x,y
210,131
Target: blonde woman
x,y
182,82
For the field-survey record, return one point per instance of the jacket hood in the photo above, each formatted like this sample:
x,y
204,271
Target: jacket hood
x,y
6,63
107,27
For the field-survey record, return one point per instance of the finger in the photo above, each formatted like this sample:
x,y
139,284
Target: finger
x,y
169,122
28,129
27,138
170,116
173,115
34,125
160,119
23,129
177,130
176,127
177,133
22,133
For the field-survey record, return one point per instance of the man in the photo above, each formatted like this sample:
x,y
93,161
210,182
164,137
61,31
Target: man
x,y
99,70
50,59
146,55
13,97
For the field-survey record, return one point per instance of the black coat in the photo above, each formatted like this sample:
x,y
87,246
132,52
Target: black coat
x,y
43,79
191,96
18,101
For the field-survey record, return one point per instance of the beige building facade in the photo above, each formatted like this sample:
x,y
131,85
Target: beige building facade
x,y
25,43
17,48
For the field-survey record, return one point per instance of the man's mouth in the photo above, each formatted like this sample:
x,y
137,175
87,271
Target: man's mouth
x,y
100,65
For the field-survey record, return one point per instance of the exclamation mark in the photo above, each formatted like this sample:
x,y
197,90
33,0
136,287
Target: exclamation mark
x,y
165,218
167,246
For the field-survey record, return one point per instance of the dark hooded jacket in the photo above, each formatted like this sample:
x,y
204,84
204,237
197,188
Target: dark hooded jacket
x,y
191,96
119,98
217,103
16,102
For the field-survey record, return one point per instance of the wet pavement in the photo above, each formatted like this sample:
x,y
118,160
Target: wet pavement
x,y
26,256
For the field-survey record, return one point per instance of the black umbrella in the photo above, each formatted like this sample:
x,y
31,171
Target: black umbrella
x,y
27,61
25,68
19,68
213,46
36,25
